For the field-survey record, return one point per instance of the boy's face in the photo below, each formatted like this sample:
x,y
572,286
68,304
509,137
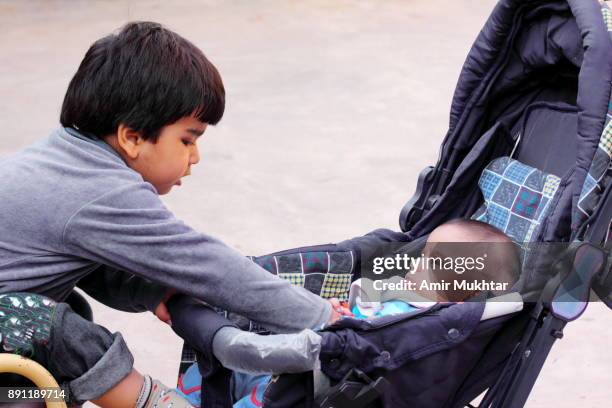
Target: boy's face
x,y
166,161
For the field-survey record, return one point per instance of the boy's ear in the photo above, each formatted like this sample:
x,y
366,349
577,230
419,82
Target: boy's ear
x,y
129,140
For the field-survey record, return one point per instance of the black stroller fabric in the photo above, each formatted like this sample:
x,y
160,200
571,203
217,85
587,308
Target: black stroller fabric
x,y
529,52
421,355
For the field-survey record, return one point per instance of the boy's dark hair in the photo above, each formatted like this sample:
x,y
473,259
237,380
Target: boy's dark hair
x,y
145,77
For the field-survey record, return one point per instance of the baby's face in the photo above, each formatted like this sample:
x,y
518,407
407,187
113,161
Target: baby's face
x,y
447,241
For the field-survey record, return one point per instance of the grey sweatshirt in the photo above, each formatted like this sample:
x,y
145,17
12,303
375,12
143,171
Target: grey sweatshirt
x,y
71,208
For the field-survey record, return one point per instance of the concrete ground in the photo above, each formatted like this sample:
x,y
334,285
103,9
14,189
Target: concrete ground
x,y
333,107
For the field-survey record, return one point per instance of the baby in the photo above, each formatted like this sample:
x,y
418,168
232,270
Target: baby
x,y
461,259
493,256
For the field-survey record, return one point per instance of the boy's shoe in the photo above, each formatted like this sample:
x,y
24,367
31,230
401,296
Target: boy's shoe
x,y
164,397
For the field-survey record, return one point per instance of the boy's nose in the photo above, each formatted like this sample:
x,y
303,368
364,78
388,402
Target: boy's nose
x,y
195,156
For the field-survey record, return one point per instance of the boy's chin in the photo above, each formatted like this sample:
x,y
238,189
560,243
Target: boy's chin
x,y
164,190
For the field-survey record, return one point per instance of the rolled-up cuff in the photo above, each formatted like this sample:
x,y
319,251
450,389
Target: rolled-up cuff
x,y
113,367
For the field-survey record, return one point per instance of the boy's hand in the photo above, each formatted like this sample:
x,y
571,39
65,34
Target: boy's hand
x,y
338,311
161,311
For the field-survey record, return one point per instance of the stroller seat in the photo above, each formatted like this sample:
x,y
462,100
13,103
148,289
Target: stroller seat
x,y
422,358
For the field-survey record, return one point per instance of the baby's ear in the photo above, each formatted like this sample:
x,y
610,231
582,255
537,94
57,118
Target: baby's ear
x,y
129,141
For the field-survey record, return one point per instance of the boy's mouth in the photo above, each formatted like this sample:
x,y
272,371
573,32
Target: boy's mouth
x,y
178,182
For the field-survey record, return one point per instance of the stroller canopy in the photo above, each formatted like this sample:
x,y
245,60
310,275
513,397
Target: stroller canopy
x,y
551,55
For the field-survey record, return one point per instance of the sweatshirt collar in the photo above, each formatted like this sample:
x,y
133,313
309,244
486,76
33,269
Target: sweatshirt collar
x,y
91,138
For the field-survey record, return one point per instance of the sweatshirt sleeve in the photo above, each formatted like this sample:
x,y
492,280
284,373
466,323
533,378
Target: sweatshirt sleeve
x,y
130,229
122,290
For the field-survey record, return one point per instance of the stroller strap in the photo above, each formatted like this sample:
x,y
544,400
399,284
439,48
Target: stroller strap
x,y
502,305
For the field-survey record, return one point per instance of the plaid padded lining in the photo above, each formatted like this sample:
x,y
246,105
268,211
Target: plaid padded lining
x,y
327,274
516,197
600,172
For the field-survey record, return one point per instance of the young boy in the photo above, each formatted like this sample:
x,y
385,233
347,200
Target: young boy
x,y
82,207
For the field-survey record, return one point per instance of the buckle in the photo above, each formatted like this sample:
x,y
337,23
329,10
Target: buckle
x,y
355,390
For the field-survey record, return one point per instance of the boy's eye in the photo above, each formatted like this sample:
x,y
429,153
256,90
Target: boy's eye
x,y
187,142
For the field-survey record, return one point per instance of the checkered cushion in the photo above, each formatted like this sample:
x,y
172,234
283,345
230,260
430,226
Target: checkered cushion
x,y
600,171
327,274
516,196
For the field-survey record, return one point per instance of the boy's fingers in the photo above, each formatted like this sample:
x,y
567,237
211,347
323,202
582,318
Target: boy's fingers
x,y
339,308
162,313
335,316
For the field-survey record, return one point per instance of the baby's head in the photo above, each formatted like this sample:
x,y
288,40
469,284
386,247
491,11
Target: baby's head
x,y
479,252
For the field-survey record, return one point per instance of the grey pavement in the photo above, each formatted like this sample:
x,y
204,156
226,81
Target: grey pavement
x,y
333,108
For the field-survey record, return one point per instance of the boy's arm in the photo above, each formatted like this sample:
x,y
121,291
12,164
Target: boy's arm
x,y
130,229
122,290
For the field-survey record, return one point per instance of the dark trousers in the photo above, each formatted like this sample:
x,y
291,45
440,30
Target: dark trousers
x,y
197,324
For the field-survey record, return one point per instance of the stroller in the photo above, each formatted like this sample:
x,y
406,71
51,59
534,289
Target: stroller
x,y
531,120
